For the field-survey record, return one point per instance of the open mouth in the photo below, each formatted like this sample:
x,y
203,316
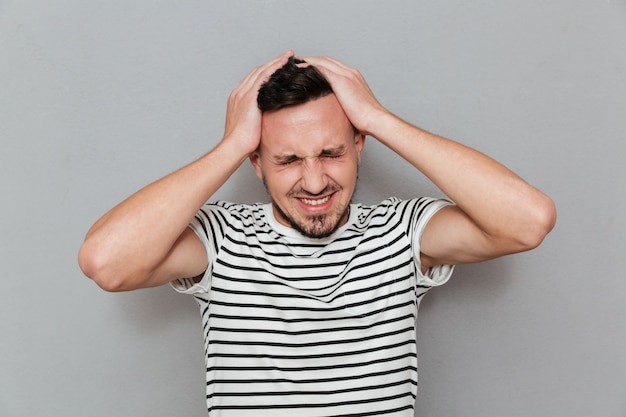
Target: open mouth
x,y
315,202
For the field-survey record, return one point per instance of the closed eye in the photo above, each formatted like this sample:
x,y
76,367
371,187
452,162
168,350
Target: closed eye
x,y
333,153
286,160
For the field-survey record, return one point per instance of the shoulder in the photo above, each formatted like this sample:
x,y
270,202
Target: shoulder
x,y
406,209
233,212
220,218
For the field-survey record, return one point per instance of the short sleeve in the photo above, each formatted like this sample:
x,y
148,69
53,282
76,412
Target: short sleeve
x,y
438,274
204,226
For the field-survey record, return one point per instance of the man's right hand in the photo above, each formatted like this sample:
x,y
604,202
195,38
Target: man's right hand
x,y
243,117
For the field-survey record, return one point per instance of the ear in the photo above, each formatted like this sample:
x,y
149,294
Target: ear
x,y
255,160
359,143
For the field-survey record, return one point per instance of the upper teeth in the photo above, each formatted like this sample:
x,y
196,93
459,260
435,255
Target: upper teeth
x,y
315,202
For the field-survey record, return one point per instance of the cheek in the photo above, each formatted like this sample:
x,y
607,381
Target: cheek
x,y
344,172
281,182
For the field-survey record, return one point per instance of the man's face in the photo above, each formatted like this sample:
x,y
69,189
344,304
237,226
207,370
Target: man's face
x,y
308,160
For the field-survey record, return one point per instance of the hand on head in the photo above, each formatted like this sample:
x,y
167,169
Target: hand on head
x,y
243,117
352,91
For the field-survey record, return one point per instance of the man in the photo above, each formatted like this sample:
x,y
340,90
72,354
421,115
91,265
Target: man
x,y
309,303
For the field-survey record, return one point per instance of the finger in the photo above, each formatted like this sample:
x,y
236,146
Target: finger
x,y
274,64
329,63
262,72
335,71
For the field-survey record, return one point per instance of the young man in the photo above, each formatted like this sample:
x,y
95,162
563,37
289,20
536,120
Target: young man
x,y
309,303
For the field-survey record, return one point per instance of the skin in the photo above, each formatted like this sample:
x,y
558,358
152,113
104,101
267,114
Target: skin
x,y
308,157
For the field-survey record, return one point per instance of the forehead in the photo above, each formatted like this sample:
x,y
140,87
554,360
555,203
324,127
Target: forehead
x,y
306,128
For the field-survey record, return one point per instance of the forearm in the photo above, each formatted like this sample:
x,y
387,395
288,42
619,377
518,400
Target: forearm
x,y
499,202
134,238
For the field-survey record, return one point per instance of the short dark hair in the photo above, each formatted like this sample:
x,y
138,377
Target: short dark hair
x,y
292,85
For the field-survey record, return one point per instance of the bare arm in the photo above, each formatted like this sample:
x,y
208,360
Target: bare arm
x,y
144,241
496,212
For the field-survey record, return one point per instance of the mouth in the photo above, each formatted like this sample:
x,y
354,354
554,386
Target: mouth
x,y
316,201
316,205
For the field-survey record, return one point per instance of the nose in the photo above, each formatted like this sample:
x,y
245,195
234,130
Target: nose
x,y
314,179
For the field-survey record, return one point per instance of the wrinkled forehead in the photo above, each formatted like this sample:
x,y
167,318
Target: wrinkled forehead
x,y
320,119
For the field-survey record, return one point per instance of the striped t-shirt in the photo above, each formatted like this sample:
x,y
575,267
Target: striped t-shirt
x,y
312,327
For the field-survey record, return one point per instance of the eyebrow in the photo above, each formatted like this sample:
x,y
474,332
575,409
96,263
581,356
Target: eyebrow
x,y
337,151
285,159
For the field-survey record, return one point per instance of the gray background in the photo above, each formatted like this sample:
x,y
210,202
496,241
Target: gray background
x,y
99,98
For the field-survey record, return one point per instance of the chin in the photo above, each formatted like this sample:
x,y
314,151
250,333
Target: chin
x,y
315,227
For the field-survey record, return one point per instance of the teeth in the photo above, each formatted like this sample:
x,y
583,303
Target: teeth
x,y
315,202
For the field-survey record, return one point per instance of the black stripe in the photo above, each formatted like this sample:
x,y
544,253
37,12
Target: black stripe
x,y
312,381
314,405
375,413
317,356
331,392
310,331
311,368
310,344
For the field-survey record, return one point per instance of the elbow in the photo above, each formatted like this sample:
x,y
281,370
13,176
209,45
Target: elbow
x,y
95,266
539,223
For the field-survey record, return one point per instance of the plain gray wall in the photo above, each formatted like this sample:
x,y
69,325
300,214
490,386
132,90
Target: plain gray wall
x,y
99,98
